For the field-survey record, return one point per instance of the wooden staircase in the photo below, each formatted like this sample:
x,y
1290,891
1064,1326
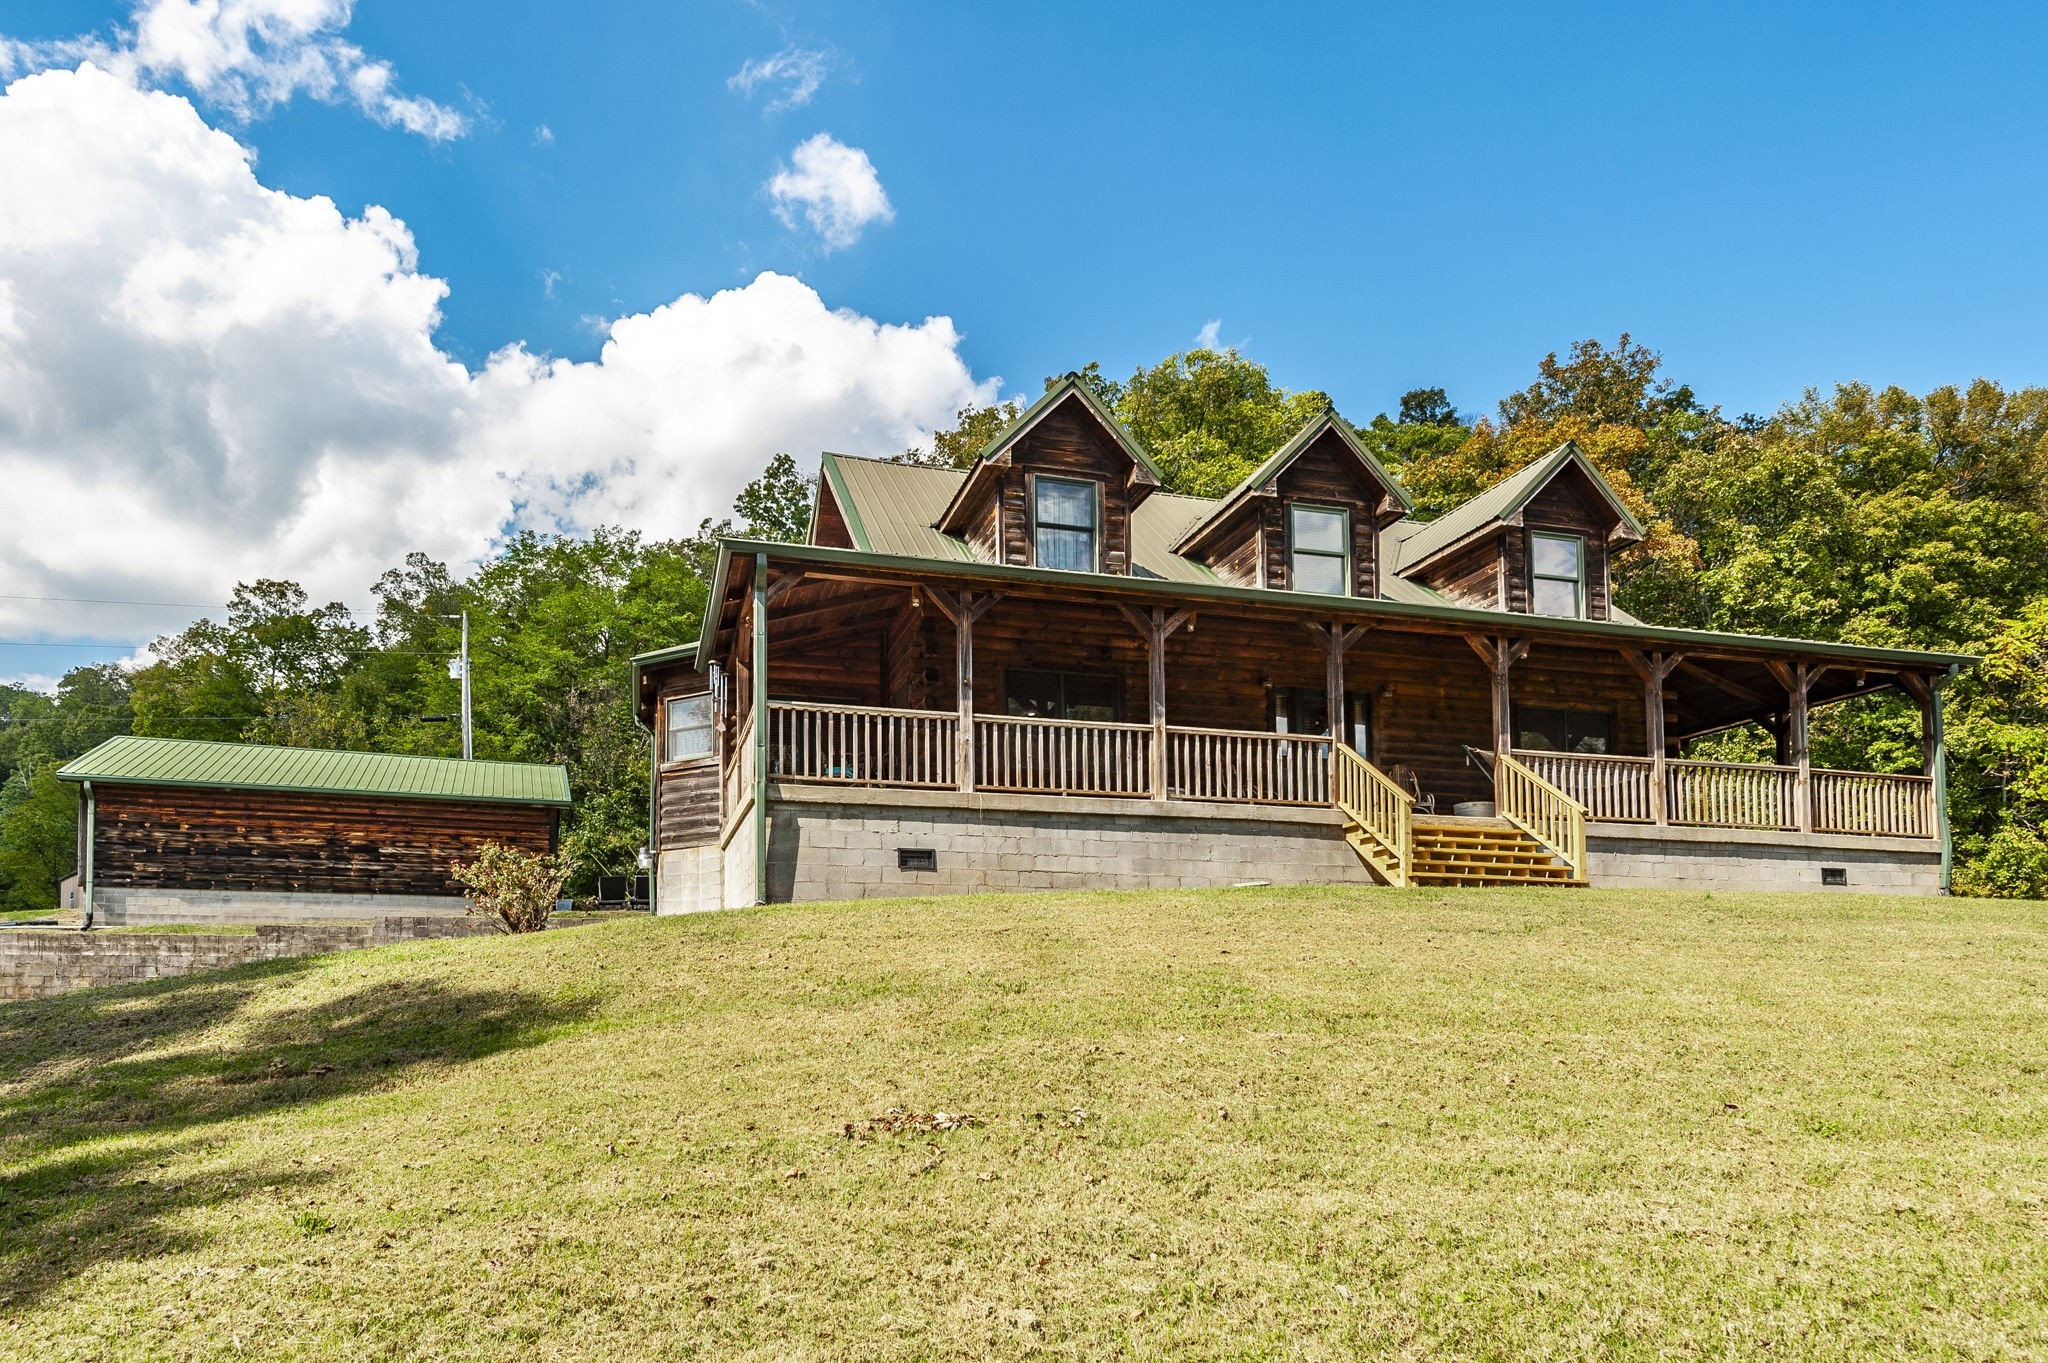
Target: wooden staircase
x,y
1542,842
1459,851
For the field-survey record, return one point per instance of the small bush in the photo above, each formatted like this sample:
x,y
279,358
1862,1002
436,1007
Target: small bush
x,y
517,888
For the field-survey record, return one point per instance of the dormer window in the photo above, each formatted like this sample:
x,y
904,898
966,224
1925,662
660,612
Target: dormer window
x,y
1065,517
1319,550
1557,575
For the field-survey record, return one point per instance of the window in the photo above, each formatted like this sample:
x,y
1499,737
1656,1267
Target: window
x,y
1060,695
1063,514
1557,575
690,720
1590,731
1319,550
1306,710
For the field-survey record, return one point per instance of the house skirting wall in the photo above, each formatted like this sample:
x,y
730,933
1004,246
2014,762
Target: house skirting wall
x,y
114,908
826,843
1637,857
691,880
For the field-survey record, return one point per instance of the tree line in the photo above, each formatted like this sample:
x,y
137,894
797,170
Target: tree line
x,y
1862,515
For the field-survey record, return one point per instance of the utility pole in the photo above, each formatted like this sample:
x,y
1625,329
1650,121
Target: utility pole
x,y
460,668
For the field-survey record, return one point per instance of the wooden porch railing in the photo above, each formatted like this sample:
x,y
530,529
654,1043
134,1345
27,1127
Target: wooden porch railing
x,y
1383,812
1865,802
1541,810
1062,756
1732,794
861,745
1247,768
1613,789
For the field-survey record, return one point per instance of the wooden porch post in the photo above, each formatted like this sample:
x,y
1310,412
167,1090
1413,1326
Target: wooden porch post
x,y
1155,629
1934,758
1655,669
1336,641
963,611
760,704
1797,679
1499,654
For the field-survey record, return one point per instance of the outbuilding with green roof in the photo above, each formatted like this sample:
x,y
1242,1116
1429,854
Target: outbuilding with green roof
x,y
178,830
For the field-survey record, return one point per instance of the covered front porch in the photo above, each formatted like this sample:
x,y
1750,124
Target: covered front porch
x,y
858,676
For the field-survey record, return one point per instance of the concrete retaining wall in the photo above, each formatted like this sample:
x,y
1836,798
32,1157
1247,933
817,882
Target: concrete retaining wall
x,y
118,908
844,845
1633,857
38,962
735,889
691,880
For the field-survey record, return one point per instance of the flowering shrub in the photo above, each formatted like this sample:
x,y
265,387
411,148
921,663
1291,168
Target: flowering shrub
x,y
517,888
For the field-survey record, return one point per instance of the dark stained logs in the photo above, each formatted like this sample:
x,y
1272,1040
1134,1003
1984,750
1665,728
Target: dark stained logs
x,y
201,839
689,813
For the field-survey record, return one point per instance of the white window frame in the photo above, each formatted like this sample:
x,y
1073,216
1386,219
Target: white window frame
x,y
1343,513
1094,531
1578,581
669,729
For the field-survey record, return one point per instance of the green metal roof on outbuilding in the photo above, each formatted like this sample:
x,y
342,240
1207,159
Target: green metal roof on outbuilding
x,y
134,760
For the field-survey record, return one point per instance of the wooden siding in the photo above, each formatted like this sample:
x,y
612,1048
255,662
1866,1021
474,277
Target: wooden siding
x,y
1327,474
1250,549
831,528
202,839
1560,507
1471,577
1067,444
687,812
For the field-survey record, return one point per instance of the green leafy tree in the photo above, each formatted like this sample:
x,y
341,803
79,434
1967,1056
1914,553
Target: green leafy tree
x,y
1209,417
38,837
777,505
973,428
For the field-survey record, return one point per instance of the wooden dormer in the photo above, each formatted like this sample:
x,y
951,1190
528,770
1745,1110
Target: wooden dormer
x,y
1538,542
1064,475
1249,540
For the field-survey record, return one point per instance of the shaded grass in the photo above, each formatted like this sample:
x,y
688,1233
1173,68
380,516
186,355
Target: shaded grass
x,y
1242,1124
186,929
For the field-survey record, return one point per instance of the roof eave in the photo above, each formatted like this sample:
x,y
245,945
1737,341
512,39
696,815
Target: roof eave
x,y
1490,622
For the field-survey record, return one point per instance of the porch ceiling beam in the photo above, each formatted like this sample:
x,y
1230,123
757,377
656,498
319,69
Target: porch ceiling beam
x,y
1720,683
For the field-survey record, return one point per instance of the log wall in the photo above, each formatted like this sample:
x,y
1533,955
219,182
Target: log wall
x,y
204,839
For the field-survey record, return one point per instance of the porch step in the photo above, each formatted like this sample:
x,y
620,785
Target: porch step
x,y
1467,851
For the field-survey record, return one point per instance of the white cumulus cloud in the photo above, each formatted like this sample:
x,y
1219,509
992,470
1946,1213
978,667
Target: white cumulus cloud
x,y
246,57
830,188
204,380
799,71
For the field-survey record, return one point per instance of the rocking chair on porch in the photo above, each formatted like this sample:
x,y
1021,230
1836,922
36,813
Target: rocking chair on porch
x,y
1404,776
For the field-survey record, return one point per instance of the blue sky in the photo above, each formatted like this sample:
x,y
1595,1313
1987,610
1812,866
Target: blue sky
x,y
1370,197
1366,198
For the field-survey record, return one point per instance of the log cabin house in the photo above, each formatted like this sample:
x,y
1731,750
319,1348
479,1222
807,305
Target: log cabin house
x,y
174,830
1044,671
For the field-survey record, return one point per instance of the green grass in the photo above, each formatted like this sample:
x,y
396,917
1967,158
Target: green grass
x,y
1243,1124
186,929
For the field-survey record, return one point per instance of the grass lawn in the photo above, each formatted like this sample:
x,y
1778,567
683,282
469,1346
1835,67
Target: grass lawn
x,y
1241,1124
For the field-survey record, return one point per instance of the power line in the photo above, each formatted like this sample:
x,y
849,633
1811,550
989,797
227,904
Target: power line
x,y
109,601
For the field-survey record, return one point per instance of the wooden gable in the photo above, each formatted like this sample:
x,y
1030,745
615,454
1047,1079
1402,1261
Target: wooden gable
x,y
829,525
1246,544
1065,436
1490,569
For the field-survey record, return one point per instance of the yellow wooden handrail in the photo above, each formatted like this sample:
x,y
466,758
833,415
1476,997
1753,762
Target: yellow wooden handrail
x,y
1377,805
1541,810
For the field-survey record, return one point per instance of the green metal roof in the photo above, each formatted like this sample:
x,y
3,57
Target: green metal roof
x,y
892,508
1501,501
135,760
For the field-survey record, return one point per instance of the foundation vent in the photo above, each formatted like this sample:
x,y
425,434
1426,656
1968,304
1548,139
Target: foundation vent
x,y
917,859
1834,875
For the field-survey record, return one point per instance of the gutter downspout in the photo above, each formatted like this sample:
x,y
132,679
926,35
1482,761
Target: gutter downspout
x,y
760,728
1948,841
653,811
91,837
